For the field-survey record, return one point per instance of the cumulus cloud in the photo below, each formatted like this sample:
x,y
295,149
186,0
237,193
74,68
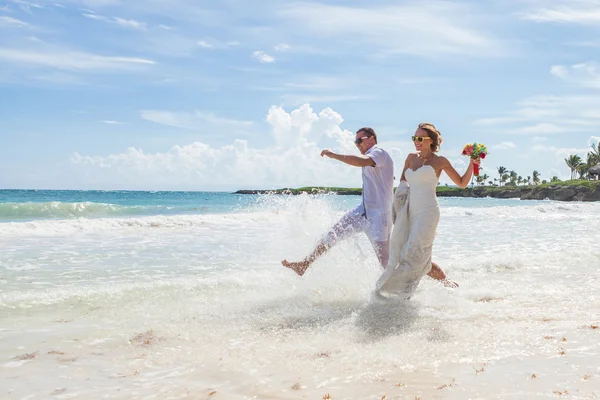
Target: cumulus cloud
x,y
292,158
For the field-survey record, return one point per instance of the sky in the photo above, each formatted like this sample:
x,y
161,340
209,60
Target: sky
x,y
238,94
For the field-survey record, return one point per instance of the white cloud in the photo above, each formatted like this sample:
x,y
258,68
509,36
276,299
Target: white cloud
x,y
504,146
71,60
205,44
263,57
111,122
194,120
419,28
584,74
130,23
209,43
542,115
295,99
572,11
560,152
12,22
126,23
537,129
282,47
292,158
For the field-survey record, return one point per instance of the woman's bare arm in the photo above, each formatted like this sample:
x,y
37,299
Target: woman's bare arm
x,y
460,181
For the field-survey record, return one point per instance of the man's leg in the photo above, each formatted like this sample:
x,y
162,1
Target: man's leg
x,y
382,250
352,222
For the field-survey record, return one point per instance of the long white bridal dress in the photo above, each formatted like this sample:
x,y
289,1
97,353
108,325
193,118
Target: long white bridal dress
x,y
417,214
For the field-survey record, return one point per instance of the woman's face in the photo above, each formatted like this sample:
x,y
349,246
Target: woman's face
x,y
422,140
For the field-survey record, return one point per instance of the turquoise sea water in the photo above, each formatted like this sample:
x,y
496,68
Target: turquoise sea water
x,y
23,205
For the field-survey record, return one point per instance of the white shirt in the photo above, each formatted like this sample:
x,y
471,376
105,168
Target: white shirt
x,y
378,184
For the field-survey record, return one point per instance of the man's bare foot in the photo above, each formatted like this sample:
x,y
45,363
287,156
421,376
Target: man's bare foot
x,y
299,267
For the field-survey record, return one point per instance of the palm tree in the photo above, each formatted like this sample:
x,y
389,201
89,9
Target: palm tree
x,y
573,162
555,179
582,169
529,180
594,155
501,172
519,179
536,177
513,177
504,178
484,177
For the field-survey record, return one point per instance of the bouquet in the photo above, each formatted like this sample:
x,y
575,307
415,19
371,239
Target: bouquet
x,y
475,151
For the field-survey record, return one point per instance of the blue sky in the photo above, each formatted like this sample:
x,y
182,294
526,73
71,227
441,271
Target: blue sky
x,y
206,95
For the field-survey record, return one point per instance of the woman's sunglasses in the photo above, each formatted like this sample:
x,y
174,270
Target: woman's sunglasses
x,y
420,138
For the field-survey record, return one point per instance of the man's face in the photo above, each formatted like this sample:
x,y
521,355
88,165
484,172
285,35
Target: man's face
x,y
363,141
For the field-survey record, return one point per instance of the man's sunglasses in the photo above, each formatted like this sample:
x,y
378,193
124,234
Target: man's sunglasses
x,y
360,139
420,138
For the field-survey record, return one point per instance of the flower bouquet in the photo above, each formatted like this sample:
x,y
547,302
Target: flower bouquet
x,y
475,151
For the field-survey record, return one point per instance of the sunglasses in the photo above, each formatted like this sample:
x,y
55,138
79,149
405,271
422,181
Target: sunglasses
x,y
420,138
360,139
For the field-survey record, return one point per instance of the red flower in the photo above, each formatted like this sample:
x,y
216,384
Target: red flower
x,y
482,155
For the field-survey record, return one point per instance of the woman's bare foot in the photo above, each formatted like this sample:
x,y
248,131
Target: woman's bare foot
x,y
299,267
439,275
449,284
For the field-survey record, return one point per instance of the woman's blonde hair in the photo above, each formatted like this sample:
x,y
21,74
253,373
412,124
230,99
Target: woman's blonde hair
x,y
434,134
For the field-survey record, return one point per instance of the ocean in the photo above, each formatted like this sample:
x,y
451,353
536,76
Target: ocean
x,y
181,295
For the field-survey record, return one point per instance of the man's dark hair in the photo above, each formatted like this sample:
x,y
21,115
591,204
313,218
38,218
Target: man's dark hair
x,y
368,131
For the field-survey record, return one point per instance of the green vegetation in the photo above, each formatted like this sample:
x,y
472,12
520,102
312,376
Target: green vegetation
x,y
447,190
576,165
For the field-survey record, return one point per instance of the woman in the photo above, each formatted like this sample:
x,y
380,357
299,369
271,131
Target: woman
x,y
417,213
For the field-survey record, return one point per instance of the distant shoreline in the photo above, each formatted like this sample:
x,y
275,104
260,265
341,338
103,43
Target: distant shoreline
x,y
576,190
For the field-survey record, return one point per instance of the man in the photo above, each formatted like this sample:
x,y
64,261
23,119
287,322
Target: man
x,y
373,215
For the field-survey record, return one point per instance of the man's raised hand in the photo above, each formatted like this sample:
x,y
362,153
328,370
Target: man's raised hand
x,y
327,153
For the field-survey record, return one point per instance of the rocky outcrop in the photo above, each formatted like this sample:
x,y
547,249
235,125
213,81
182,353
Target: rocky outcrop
x,y
558,192
566,191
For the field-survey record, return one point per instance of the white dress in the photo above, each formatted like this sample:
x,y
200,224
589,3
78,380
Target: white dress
x,y
417,214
